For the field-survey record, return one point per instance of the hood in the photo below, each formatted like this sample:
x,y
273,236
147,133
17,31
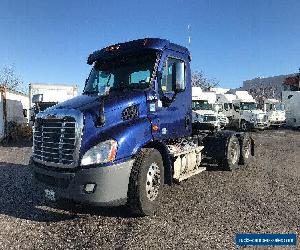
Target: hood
x,y
255,112
115,100
77,102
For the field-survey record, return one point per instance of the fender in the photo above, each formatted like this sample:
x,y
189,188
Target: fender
x,y
131,137
168,163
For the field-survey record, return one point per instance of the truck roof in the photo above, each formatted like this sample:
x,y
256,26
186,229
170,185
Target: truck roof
x,y
226,98
244,96
134,46
198,94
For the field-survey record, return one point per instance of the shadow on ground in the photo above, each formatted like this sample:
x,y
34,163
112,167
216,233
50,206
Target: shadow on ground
x,y
19,198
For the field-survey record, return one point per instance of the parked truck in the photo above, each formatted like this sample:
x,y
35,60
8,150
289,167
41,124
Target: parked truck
x,y
242,111
206,112
130,132
43,96
275,111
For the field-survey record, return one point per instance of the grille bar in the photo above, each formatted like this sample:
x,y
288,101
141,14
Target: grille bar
x,y
55,140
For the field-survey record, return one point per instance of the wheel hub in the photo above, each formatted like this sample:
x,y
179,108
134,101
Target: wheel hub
x,y
153,181
234,153
247,149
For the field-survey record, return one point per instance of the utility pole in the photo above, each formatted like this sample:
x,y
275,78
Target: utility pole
x,y
189,36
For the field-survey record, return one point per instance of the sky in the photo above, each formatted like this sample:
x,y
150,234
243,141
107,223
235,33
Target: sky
x,y
231,40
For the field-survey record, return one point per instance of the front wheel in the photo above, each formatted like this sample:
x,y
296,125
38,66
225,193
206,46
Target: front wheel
x,y
145,182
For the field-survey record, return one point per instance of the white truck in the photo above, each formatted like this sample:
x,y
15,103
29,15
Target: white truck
x,y
206,112
242,111
225,100
275,111
43,96
291,101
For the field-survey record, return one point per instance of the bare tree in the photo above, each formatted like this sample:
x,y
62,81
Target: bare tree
x,y
200,80
10,79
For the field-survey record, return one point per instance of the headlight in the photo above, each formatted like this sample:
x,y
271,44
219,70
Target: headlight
x,y
103,152
252,119
200,118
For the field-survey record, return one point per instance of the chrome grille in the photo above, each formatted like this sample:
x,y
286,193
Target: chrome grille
x,y
55,140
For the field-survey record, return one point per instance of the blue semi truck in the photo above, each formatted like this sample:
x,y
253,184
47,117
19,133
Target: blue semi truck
x,y
130,132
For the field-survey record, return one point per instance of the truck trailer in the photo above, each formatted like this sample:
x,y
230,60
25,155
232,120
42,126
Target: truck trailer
x,y
291,101
14,107
130,132
43,96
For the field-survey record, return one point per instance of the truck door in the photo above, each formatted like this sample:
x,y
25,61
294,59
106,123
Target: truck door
x,y
175,97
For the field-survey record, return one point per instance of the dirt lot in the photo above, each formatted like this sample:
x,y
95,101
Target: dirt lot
x,y
204,212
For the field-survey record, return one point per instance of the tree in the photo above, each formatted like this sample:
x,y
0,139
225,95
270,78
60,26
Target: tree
x,y
200,80
10,79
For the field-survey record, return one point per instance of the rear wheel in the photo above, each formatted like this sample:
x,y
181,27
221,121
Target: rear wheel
x,y
245,149
232,154
145,182
244,126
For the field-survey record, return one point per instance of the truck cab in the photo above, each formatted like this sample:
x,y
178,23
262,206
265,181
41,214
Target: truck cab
x,y
275,111
206,112
246,113
202,109
129,132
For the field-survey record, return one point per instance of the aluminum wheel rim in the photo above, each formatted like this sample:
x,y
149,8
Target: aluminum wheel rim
x,y
153,181
247,149
234,153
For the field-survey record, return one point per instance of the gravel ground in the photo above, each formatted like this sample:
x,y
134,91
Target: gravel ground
x,y
204,212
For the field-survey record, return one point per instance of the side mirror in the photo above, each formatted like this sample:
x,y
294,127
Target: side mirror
x,y
236,108
178,76
37,98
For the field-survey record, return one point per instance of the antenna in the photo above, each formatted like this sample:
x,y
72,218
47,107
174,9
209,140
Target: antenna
x,y
189,35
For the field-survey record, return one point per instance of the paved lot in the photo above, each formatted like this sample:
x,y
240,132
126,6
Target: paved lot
x,y
204,212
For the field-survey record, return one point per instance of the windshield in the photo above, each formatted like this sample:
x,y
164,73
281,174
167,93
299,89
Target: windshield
x,y
218,108
42,106
248,106
122,72
201,105
279,106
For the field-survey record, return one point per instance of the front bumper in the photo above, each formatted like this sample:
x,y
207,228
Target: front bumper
x,y
196,126
277,123
259,125
110,190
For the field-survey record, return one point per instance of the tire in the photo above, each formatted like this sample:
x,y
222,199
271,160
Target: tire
x,y
231,155
245,149
145,182
244,126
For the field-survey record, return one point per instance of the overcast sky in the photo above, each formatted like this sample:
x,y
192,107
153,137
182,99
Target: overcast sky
x,y
49,41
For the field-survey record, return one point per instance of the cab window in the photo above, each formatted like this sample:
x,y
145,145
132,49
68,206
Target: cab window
x,y
169,78
226,106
